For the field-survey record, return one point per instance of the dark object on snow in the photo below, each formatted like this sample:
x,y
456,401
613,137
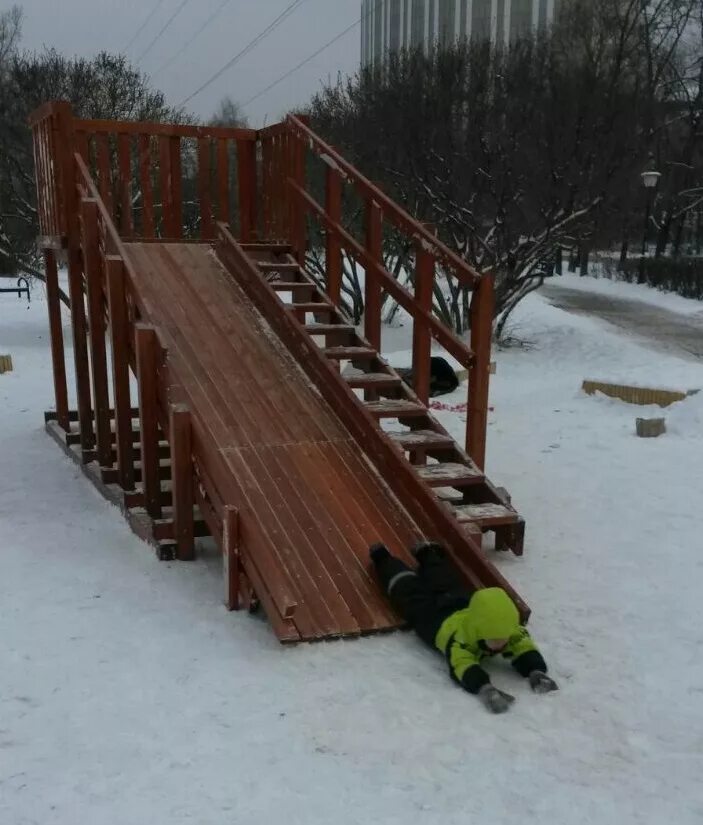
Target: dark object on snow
x,y
443,379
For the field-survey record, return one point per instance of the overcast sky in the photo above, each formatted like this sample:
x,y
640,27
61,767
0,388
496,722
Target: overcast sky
x,y
87,26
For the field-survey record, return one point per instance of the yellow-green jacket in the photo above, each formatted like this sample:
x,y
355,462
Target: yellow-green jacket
x,y
491,615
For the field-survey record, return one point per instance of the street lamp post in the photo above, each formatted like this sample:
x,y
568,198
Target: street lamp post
x,y
650,181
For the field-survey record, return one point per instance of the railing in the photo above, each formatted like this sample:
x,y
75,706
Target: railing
x,y
157,180
176,182
288,207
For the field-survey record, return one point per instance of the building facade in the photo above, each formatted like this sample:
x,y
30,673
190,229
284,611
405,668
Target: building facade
x,y
389,25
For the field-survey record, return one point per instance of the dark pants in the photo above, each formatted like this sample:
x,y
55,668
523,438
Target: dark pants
x,y
424,597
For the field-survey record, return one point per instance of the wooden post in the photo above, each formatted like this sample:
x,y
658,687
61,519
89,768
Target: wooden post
x,y
56,333
119,336
222,176
96,315
207,230
69,204
482,308
372,286
422,338
147,347
246,167
230,556
125,177
298,231
148,227
333,254
176,170
182,480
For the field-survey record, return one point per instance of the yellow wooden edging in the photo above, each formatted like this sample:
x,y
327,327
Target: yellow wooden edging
x,y
637,395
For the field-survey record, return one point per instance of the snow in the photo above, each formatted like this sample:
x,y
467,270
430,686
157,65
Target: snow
x,y
633,292
129,694
685,419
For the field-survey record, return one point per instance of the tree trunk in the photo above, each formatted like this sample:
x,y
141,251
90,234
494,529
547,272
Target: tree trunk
x,y
559,261
584,255
623,255
663,236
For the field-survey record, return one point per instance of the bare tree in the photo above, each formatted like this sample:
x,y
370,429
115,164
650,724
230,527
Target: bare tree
x,y
513,153
229,113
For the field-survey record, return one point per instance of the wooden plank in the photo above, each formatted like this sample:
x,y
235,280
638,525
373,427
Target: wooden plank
x,y
180,433
56,337
421,439
223,180
148,223
147,347
449,475
373,295
422,339
482,310
419,501
96,315
246,171
102,143
230,556
125,184
82,146
119,339
175,165
167,214
333,247
396,408
207,227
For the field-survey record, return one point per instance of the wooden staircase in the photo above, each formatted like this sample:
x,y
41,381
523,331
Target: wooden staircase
x,y
436,458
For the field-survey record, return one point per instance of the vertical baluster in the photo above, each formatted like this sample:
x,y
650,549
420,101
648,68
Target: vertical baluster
x,y
372,287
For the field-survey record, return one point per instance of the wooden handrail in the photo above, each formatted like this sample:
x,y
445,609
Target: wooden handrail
x,y
169,129
401,219
454,345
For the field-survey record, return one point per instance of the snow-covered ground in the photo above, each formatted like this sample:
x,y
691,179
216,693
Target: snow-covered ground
x,y
129,695
622,289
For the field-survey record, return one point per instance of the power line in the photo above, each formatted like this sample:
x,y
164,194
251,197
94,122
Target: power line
x,y
143,26
163,30
251,45
303,63
191,40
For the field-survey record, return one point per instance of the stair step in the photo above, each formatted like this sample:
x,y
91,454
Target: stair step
x,y
487,515
323,329
310,306
395,408
450,475
292,286
280,248
421,438
273,266
349,353
365,380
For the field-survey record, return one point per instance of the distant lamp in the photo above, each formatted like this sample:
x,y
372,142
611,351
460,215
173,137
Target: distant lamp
x,y
650,179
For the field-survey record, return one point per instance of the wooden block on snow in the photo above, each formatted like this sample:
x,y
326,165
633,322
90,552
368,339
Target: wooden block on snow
x,y
5,363
651,427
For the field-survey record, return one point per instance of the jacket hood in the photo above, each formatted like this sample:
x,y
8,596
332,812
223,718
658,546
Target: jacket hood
x,y
493,614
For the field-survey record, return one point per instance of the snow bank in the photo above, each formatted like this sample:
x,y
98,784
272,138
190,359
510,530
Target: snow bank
x,y
685,419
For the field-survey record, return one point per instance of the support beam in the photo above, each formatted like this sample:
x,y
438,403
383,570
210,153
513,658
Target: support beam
x,y
180,433
373,295
333,250
119,338
56,333
482,308
422,338
147,347
96,315
230,557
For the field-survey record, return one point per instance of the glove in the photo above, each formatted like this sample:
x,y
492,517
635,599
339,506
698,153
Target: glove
x,y
495,700
541,683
